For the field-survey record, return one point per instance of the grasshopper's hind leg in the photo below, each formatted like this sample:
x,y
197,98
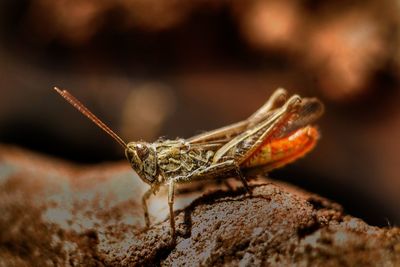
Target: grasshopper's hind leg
x,y
276,100
215,170
243,179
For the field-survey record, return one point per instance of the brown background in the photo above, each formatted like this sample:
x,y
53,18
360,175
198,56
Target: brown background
x,y
175,68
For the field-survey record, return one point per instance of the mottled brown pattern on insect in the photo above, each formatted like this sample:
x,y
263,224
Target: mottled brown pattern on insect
x,y
276,134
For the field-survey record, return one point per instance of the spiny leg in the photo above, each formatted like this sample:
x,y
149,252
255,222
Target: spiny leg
x,y
171,195
245,184
243,179
145,197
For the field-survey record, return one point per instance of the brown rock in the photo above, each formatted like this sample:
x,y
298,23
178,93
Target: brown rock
x,y
53,213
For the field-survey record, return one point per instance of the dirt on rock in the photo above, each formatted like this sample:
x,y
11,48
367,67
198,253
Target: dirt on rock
x,y
57,214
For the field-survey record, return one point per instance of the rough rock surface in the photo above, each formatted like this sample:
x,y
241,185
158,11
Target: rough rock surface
x,y
55,213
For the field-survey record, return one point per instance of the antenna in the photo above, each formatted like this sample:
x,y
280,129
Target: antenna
x,y
85,111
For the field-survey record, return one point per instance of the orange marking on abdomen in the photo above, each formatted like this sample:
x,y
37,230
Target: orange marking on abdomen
x,y
279,152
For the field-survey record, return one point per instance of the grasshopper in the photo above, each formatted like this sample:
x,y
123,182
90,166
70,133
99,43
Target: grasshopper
x,y
276,134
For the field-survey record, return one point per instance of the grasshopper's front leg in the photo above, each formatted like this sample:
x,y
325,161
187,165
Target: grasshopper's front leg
x,y
171,195
145,197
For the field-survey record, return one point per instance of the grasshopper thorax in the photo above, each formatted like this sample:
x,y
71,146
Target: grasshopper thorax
x,y
142,157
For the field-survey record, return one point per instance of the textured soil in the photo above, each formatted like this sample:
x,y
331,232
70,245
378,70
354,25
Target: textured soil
x,y
57,214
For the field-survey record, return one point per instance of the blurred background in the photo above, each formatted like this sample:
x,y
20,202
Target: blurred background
x,y
175,68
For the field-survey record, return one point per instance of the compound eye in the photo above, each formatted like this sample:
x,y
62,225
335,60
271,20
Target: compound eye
x,y
142,151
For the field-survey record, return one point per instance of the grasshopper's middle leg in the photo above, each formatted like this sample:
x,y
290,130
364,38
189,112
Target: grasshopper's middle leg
x,y
213,170
171,195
